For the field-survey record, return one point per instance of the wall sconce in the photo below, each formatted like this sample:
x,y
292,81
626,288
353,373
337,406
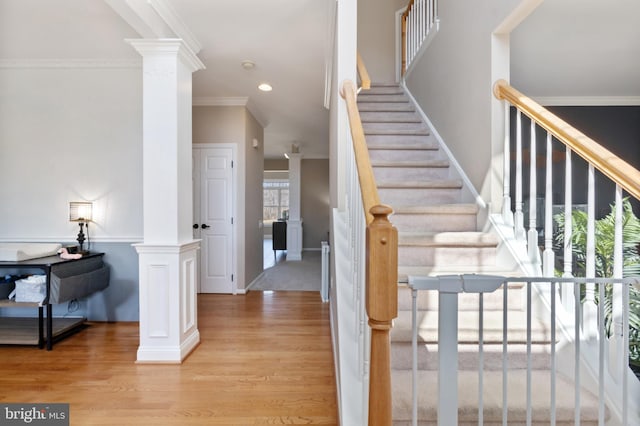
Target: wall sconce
x,y
81,212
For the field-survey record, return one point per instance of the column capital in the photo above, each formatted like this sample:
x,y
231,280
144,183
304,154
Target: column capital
x,y
169,47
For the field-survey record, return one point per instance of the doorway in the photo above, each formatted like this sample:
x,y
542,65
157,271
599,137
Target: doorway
x,y
214,202
275,209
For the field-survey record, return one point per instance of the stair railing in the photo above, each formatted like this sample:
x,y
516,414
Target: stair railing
x,y
418,21
381,259
515,391
621,175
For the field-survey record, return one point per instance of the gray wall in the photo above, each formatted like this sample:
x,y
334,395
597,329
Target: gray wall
x,y
617,128
314,202
118,302
314,199
236,125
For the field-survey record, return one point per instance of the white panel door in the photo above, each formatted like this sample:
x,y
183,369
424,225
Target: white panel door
x,y
216,220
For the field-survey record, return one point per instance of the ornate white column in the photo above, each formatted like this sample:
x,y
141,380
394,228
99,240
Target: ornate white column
x,y
294,224
168,262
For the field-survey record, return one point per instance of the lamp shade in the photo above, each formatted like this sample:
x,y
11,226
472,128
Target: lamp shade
x,y
80,211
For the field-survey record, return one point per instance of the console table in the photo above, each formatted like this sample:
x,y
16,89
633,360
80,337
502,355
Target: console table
x,y
75,274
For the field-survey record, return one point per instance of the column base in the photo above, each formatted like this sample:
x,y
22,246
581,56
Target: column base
x,y
168,301
294,240
170,354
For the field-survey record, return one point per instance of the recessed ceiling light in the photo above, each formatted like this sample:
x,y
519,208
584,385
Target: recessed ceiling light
x,y
247,64
265,87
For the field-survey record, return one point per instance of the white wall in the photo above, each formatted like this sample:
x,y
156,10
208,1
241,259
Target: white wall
x,y
70,134
376,37
581,50
452,82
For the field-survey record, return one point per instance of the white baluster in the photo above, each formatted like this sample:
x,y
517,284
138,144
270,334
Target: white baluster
x,y
532,235
589,310
518,215
548,256
566,292
617,364
507,215
420,22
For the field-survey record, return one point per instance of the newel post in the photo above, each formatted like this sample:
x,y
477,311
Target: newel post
x,y
382,308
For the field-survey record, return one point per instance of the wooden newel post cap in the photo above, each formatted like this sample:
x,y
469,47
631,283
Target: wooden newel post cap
x,y
382,266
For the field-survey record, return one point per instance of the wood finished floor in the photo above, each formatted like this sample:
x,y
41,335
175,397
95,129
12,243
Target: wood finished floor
x,y
263,359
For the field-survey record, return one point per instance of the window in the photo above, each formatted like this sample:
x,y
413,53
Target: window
x,y
275,199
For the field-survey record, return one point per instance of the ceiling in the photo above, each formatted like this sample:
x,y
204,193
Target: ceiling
x,y
286,39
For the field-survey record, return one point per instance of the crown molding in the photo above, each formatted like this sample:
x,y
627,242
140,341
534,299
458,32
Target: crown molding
x,y
177,25
155,19
171,46
70,63
587,100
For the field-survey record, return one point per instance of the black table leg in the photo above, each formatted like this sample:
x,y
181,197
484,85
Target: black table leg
x,y
40,328
49,326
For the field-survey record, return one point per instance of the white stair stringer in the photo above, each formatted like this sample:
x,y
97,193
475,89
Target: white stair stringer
x,y
439,235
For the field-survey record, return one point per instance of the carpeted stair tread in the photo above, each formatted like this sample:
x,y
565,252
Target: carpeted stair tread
x,y
383,89
432,271
445,209
448,239
469,356
389,117
444,183
400,144
385,106
468,327
408,163
492,398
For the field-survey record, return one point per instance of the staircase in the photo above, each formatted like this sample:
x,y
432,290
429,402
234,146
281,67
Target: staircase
x,y
438,235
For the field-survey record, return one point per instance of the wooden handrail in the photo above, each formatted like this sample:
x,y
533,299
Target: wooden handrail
x,y
381,281
363,73
368,187
612,166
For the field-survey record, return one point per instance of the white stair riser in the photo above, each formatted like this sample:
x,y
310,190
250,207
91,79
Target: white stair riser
x,y
389,117
410,173
427,256
404,155
434,222
398,141
428,300
385,106
418,196
365,97
468,357
395,128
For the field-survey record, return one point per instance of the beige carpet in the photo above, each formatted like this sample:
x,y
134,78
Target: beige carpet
x,y
304,275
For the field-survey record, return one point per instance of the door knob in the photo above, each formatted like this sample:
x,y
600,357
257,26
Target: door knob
x,y
195,226
204,226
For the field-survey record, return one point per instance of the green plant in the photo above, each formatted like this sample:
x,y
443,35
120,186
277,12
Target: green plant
x,y
604,247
